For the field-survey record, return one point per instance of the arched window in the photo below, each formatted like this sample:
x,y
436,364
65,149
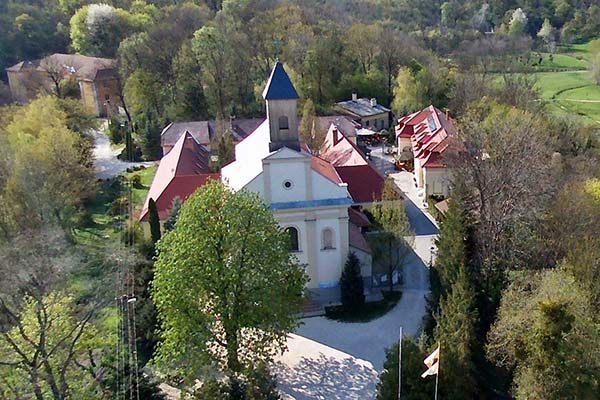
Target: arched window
x,y
293,234
283,122
328,239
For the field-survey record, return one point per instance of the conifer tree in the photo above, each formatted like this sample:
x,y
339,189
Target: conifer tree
x,y
173,214
351,284
456,334
153,221
450,250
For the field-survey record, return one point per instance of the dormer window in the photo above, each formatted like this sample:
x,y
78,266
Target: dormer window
x,y
283,122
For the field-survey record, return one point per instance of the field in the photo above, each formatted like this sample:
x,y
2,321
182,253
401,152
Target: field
x,y
566,85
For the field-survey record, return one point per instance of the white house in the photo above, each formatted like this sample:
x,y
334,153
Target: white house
x,y
425,135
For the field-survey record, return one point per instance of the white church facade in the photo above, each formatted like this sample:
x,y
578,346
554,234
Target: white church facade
x,y
307,196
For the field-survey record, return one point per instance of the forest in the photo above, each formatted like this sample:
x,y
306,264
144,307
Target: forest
x,y
514,289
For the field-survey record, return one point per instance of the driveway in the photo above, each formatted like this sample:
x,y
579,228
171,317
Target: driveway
x,y
106,163
335,360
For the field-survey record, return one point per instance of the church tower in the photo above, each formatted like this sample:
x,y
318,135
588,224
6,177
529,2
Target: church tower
x,y
282,99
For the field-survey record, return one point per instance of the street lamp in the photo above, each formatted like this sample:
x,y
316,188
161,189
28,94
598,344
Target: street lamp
x,y
432,249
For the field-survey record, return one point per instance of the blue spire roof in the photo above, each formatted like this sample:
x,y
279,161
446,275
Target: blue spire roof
x,y
279,86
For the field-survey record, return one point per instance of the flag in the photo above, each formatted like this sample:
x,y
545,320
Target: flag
x,y
432,362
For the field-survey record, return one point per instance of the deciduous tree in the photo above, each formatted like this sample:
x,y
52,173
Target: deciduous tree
x,y
226,286
546,332
391,243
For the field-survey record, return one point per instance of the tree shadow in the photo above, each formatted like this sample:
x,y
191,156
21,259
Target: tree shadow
x,y
419,222
328,378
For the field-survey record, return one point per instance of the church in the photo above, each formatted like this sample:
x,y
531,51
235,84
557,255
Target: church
x,y
308,194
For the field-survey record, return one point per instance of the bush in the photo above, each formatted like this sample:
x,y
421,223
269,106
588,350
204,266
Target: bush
x,y
118,206
257,384
351,284
116,131
136,182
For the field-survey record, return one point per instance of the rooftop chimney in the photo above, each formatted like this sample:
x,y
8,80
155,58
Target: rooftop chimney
x,y
336,137
354,97
373,102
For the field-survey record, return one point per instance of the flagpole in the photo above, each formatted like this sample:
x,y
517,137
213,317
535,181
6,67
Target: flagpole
x,y
437,376
400,364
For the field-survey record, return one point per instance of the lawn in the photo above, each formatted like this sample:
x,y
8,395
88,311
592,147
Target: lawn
x,y
571,92
561,62
368,312
105,213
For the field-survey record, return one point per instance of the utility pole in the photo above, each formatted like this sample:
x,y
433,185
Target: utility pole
x,y
400,364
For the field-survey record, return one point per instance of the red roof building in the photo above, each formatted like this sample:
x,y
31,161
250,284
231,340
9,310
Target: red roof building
x,y
183,170
427,134
365,183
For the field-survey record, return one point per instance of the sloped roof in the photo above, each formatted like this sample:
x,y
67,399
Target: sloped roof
x,y
179,174
365,183
429,131
203,131
83,67
279,86
326,169
358,218
362,107
199,130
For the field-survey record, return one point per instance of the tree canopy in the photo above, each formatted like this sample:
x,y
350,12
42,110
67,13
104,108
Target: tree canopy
x,y
226,286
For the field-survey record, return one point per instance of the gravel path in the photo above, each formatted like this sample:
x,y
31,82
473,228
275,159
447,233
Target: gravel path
x,y
105,158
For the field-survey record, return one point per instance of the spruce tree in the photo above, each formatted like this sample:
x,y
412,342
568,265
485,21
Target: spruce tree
x,y
351,284
456,334
173,214
153,221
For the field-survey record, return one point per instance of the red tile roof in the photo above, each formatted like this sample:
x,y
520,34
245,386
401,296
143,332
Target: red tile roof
x,y
429,131
358,218
365,183
326,169
179,174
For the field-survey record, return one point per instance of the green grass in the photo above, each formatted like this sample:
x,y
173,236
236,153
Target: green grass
x,y
101,226
569,93
560,62
368,312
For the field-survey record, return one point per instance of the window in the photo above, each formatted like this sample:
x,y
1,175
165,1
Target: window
x,y
367,123
283,122
328,239
293,233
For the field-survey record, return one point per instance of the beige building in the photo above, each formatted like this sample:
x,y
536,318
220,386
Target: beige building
x,y
368,112
97,79
424,136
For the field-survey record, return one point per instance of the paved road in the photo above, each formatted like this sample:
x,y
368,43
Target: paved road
x,y
105,158
334,360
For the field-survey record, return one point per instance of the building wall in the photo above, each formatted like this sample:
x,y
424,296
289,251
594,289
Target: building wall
x,y
366,261
436,181
108,96
376,122
419,175
404,143
323,266
88,97
283,108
